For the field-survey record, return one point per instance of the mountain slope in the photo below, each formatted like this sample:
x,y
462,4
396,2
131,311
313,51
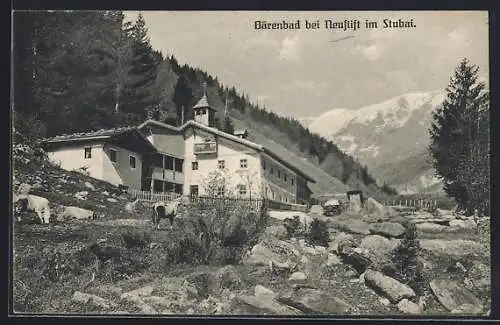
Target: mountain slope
x,y
386,135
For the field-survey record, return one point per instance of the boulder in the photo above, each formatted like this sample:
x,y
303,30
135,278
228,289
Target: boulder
x,y
453,247
384,301
263,292
338,241
317,209
354,226
388,229
314,301
430,227
455,297
265,306
85,298
378,245
463,224
272,250
72,212
392,289
372,206
408,307
360,259
297,277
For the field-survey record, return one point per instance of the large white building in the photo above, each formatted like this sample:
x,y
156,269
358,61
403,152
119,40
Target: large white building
x,y
188,159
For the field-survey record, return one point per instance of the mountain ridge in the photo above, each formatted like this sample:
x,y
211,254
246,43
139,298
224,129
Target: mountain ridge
x,y
386,135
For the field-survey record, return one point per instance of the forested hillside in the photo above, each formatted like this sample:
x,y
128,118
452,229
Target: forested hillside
x,y
85,70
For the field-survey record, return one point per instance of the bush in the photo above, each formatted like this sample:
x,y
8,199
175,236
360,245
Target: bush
x,y
318,233
135,239
405,259
291,226
232,227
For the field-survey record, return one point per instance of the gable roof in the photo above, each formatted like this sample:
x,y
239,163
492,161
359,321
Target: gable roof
x,y
103,134
250,144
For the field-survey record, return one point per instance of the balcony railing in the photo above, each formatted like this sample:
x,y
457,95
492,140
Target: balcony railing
x,y
205,148
168,175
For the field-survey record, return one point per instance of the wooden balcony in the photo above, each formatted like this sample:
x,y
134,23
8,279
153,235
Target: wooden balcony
x,y
205,148
168,175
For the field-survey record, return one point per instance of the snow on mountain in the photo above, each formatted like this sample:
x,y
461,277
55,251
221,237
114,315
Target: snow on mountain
x,y
332,121
306,120
385,133
394,113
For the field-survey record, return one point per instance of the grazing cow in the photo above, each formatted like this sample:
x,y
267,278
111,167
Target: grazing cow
x,y
33,203
168,211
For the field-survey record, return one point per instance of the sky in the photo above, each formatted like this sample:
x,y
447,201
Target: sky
x,y
306,72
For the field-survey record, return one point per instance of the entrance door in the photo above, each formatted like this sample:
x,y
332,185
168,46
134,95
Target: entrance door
x,y
193,190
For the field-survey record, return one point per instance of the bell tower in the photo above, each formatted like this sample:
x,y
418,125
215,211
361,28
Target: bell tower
x,y
204,113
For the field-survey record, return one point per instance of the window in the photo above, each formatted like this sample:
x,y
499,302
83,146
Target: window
x,y
222,164
284,177
243,163
157,186
242,189
178,188
194,165
220,191
263,165
132,161
88,153
112,155
178,165
279,173
272,170
169,187
169,163
158,160
291,180
193,190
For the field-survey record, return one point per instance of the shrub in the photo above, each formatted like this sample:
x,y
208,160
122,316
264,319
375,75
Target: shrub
x,y
405,259
318,233
291,226
217,228
134,238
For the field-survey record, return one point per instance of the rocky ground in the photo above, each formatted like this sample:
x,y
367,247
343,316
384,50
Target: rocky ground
x,y
118,264
302,279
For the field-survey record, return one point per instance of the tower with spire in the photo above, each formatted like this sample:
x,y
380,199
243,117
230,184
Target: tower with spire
x,y
204,113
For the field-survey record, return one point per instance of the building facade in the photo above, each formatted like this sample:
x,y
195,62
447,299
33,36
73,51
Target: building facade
x,y
115,155
243,168
193,159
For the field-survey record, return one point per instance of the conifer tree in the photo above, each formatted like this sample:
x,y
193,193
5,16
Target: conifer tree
x,y
227,125
459,139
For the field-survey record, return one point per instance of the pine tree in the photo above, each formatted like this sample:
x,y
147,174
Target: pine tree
x,y
459,138
227,125
405,258
182,96
140,95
